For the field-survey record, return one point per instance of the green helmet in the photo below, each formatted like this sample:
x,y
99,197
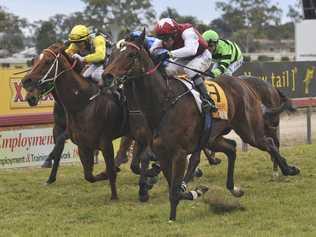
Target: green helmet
x,y
210,36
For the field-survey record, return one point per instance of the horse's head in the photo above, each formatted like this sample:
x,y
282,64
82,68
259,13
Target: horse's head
x,y
129,59
46,68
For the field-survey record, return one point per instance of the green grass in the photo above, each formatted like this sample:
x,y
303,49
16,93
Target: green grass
x,y
73,207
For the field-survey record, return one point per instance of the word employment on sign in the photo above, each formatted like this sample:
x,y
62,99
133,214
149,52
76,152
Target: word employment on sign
x,y
30,147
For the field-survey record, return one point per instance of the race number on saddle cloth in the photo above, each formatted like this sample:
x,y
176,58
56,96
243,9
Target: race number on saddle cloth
x,y
88,48
214,90
185,46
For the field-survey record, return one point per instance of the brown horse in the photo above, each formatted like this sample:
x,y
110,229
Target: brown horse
x,y
273,103
93,119
176,122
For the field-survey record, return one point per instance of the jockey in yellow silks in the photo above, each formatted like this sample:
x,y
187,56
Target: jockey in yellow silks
x,y
88,48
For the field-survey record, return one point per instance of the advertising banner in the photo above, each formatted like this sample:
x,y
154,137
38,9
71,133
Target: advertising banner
x,y
294,79
30,147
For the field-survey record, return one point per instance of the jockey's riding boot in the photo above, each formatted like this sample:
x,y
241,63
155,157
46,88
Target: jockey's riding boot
x,y
208,103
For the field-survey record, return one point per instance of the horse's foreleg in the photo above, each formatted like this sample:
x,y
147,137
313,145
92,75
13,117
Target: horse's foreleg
x,y
87,161
108,154
193,164
60,136
143,185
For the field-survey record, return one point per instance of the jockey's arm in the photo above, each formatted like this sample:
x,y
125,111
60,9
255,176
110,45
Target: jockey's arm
x,y
221,67
191,44
72,49
100,51
155,45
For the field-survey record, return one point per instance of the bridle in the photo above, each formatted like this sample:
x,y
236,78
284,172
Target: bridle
x,y
51,80
128,75
55,64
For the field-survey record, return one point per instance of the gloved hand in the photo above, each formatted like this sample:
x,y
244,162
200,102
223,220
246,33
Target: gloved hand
x,y
161,54
210,73
78,57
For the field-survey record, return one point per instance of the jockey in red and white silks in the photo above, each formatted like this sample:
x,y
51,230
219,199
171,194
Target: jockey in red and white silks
x,y
183,44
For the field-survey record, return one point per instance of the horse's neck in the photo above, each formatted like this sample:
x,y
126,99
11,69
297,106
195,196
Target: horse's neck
x,y
73,91
151,92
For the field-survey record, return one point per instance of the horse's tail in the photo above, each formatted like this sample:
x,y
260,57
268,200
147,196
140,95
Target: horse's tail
x,y
286,105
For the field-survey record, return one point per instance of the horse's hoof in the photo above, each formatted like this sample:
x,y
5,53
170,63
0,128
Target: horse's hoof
x,y
143,198
47,164
237,192
293,171
114,198
198,173
101,176
50,181
214,161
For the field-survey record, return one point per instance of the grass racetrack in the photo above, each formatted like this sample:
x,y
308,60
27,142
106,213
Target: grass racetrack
x,y
74,207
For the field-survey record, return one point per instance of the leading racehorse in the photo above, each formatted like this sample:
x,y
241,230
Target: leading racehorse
x,y
177,123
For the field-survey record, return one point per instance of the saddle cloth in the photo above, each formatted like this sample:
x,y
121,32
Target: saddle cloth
x,y
214,90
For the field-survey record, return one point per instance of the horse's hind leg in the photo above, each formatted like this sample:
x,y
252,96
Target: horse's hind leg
x,y
272,132
210,156
108,154
121,156
267,144
228,147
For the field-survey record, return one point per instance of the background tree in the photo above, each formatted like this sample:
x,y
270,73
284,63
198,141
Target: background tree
x,y
249,19
11,35
45,36
295,11
106,14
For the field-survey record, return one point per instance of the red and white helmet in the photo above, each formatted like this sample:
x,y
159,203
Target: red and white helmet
x,y
166,26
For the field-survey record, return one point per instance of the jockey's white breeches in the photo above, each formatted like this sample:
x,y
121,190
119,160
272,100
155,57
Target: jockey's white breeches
x,y
201,62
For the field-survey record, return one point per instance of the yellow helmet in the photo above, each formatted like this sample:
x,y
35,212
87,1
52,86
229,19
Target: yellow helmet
x,y
79,33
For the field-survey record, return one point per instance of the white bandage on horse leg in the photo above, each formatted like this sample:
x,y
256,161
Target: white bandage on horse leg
x,y
194,195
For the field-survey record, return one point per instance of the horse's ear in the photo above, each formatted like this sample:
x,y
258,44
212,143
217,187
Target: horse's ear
x,y
142,36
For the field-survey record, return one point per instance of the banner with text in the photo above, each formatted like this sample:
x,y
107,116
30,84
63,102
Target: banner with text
x,y
294,79
30,147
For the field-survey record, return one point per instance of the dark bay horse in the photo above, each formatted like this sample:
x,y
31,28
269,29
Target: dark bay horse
x,y
93,119
177,123
103,123
273,103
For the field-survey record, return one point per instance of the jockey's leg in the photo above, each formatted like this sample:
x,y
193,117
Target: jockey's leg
x,y
202,63
88,72
97,75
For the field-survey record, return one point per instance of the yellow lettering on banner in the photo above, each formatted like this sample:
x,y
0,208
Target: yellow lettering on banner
x,y
309,76
294,75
